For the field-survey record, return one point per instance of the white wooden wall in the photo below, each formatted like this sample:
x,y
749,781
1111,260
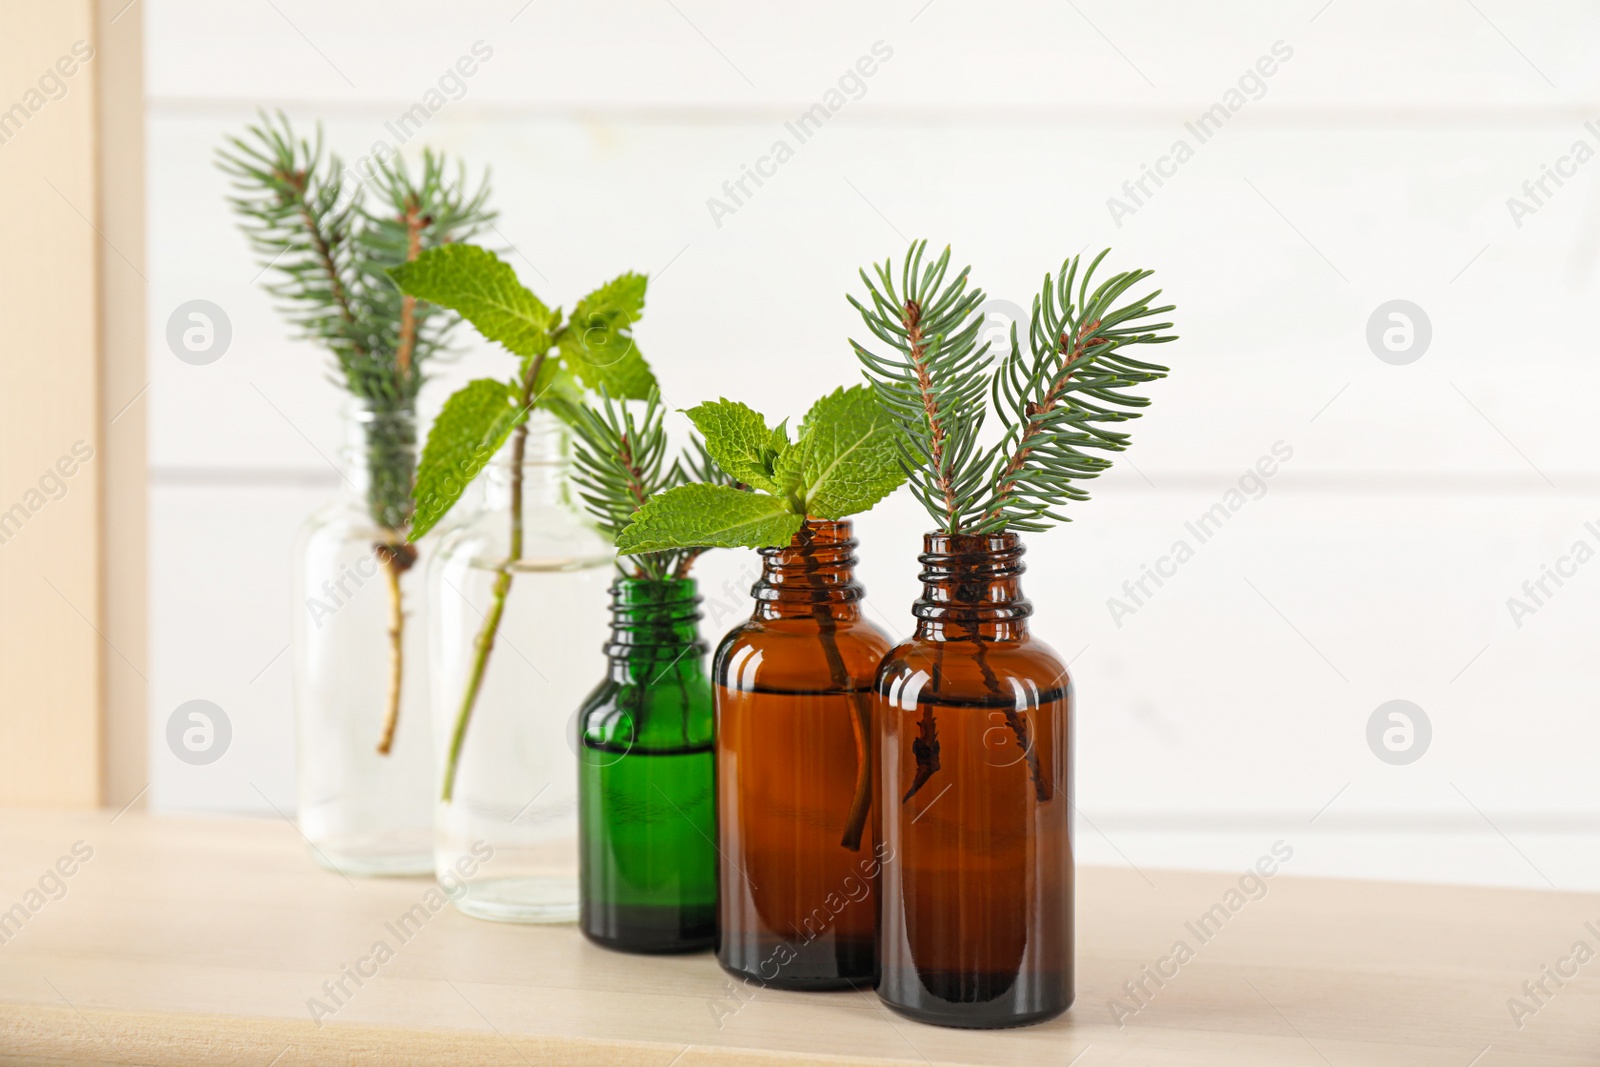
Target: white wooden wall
x,y
1231,708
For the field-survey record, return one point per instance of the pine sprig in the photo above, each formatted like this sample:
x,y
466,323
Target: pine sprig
x,y
306,218
620,463
290,196
1056,402
934,385
1061,399
327,254
412,216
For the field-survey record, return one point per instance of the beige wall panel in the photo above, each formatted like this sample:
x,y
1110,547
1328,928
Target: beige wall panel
x,y
53,440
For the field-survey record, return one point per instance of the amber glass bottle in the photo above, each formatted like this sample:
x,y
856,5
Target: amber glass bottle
x,y
973,723
793,691
647,869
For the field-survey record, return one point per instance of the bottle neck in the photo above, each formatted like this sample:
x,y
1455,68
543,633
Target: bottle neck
x,y
545,463
971,588
815,572
655,630
380,460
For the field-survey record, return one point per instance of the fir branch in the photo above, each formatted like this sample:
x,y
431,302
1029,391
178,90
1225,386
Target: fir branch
x,y
619,464
1063,398
413,212
328,254
290,197
308,222
1056,402
934,385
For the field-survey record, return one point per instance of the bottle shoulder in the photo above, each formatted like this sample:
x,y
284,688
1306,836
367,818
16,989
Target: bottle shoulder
x,y
975,669
655,717
778,636
790,654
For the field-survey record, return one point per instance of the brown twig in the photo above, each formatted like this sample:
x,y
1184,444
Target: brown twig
x,y
925,746
911,319
396,564
297,181
1019,726
689,556
414,223
396,657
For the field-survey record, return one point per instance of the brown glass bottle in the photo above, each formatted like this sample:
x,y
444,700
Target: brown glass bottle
x,y
793,692
973,723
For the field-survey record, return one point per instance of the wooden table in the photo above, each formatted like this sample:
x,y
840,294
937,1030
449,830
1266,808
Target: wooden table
x,y
184,940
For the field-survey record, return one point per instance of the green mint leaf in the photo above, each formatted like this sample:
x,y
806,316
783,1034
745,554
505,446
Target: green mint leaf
x,y
709,516
846,458
470,429
597,343
484,290
738,439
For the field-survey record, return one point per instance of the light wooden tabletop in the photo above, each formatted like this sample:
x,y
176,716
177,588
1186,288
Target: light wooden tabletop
x,y
201,941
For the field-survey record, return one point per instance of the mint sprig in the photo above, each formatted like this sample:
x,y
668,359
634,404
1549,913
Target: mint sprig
x,y
557,360
842,462
597,345
560,358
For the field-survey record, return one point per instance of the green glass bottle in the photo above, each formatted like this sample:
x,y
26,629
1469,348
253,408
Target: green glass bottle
x,y
647,865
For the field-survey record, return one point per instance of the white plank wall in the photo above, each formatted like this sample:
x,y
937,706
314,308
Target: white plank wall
x,y
1231,708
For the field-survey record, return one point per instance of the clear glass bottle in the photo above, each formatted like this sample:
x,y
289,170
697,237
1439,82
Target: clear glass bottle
x,y
507,774
793,689
973,724
364,749
646,819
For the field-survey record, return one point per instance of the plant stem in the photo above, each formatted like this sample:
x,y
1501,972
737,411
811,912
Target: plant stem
x,y
911,319
395,563
484,642
860,710
408,304
393,568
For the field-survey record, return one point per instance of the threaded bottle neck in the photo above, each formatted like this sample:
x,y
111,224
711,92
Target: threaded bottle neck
x,y
655,627
971,588
817,567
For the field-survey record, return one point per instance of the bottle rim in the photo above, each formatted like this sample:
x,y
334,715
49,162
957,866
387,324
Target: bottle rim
x,y
628,591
